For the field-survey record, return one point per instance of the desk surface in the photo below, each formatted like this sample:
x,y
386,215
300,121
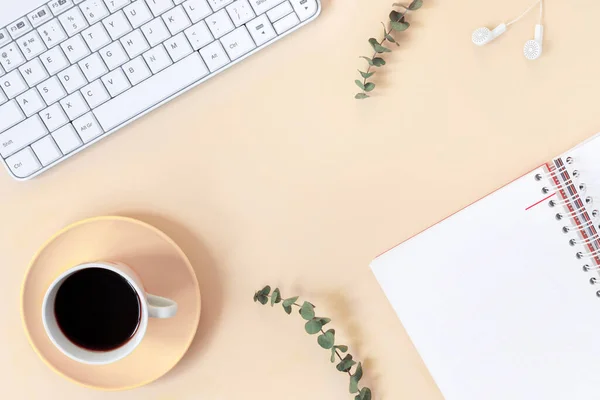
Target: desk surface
x,y
273,173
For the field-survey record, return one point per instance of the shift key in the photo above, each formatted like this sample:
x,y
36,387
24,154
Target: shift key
x,y
21,135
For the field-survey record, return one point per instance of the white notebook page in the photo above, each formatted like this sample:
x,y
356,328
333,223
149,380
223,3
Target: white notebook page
x,y
496,302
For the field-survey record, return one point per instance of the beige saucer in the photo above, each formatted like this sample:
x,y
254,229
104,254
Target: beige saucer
x,y
165,271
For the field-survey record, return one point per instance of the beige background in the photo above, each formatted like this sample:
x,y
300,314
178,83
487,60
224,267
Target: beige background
x,y
272,173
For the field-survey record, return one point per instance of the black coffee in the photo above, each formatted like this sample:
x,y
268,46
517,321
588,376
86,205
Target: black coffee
x,y
97,309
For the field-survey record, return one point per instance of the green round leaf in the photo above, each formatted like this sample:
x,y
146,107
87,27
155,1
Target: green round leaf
x,y
263,299
399,26
378,62
290,301
266,290
313,326
327,340
346,364
395,16
365,393
366,75
361,96
368,60
255,297
343,348
359,84
275,297
415,5
369,86
307,311
333,355
287,309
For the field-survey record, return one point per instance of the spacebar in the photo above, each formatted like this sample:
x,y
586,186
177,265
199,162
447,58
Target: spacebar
x,y
150,92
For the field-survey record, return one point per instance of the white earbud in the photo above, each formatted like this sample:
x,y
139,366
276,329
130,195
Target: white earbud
x,y
533,48
483,36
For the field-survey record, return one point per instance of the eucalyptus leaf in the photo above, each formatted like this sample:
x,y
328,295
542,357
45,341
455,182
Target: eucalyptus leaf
x,y
354,379
346,364
378,62
399,26
255,297
307,311
395,16
333,355
287,309
325,321
342,347
327,339
369,86
359,84
275,297
368,60
290,301
266,290
366,75
262,299
378,47
361,96
313,326
415,5
364,394
390,38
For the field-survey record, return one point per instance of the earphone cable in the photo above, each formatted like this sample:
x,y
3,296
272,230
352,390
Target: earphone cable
x,y
527,12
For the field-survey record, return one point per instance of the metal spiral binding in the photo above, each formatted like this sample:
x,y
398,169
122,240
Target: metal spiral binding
x,y
584,227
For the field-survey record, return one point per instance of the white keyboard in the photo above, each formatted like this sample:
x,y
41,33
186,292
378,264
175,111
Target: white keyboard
x,y
74,71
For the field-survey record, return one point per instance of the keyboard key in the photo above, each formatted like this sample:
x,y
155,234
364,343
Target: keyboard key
x,y
13,84
95,93
261,30
67,139
19,27
59,6
214,56
51,90
87,127
3,97
178,47
74,105
155,31
4,37
199,35
21,135
262,6
114,55
305,8
197,9
134,43
46,150
72,78
24,163
136,70
159,6
75,49
93,10
176,20
96,37
116,82
54,117
93,67
150,92
11,57
157,59
114,5
54,60
73,21
31,45
276,13
10,114
240,12
138,13
33,72
31,102
286,23
218,4
238,43
219,24
117,25
39,16
52,33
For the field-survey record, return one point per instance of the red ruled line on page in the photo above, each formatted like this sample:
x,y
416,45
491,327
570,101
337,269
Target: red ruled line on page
x,y
541,201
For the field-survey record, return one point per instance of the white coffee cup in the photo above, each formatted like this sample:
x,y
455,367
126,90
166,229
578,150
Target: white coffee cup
x,y
150,306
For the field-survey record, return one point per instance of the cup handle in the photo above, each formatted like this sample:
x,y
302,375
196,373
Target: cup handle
x,y
160,307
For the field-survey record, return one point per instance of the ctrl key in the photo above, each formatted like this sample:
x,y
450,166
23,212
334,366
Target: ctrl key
x,y
23,163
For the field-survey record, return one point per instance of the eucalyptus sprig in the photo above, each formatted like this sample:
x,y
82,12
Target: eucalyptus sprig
x,y
326,339
397,24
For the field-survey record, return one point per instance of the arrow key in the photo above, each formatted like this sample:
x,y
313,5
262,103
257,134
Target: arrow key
x,y
261,30
305,8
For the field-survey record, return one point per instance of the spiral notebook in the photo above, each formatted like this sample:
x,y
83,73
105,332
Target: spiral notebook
x,y
501,299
